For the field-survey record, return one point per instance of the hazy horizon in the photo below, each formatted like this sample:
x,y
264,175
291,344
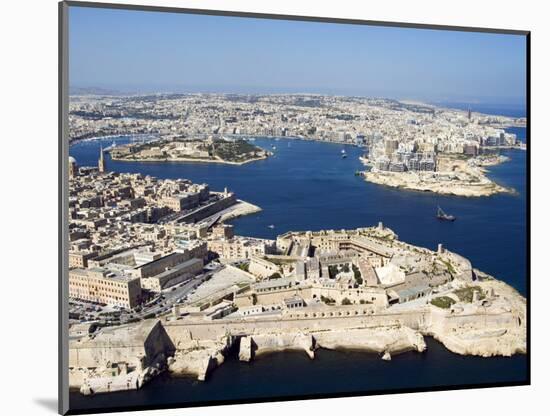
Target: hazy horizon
x,y
141,52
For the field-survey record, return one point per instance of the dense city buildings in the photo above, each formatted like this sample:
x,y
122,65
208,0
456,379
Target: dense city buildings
x,y
407,145
159,257
129,232
398,127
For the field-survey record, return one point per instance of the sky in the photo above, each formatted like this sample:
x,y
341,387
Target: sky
x,y
137,51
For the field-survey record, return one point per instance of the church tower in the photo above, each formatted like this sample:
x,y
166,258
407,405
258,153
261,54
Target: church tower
x,y
101,161
73,167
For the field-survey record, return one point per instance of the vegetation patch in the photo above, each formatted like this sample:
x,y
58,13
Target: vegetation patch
x,y
357,274
443,302
328,300
467,294
449,266
236,151
332,271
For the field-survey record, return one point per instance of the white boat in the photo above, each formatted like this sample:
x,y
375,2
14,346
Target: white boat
x,y
111,147
271,226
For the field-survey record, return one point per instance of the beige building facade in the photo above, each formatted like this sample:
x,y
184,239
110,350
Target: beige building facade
x,y
103,286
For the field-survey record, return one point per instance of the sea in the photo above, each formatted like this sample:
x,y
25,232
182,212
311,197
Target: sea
x,y
307,185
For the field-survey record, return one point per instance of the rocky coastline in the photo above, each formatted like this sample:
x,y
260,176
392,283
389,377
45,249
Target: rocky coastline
x,y
454,176
494,326
433,182
471,314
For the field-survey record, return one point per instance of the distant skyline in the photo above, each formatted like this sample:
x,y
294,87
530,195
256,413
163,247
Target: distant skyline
x,y
136,51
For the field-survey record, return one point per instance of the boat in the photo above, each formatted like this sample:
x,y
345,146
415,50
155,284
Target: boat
x,y
111,147
271,226
344,154
273,147
441,215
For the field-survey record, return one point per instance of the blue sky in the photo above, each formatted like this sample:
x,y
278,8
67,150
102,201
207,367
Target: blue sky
x,y
153,51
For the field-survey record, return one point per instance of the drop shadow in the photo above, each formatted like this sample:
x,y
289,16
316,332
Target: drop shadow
x,y
47,403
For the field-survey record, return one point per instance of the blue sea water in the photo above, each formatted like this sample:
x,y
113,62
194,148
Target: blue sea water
x,y
307,185
330,373
510,110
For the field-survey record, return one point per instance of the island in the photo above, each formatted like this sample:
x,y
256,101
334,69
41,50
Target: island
x,y
212,149
407,145
160,282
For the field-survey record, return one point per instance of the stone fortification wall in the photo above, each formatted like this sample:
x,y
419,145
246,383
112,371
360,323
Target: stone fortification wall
x,y
138,346
343,318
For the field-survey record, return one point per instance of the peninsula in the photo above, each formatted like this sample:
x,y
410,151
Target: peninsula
x,y
209,150
453,175
359,289
158,282
410,145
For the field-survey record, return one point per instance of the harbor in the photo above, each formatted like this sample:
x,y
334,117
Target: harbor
x,y
337,198
319,189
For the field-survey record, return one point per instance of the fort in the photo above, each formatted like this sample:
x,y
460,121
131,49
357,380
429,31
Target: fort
x,y
213,149
357,289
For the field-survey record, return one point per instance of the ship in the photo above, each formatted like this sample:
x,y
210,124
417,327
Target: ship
x,y
344,154
271,226
441,215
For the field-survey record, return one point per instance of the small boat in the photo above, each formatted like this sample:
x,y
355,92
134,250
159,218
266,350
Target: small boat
x,y
111,147
271,226
273,147
441,215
